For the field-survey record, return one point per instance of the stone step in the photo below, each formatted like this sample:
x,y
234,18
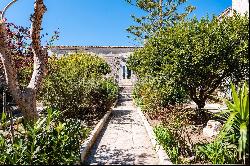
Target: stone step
x,y
126,89
125,97
125,93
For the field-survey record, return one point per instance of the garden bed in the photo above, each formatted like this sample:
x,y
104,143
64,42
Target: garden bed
x,y
185,128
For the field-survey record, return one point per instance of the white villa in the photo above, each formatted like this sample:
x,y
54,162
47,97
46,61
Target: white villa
x,y
240,6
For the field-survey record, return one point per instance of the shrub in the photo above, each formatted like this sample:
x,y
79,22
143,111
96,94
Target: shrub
x,y
167,140
51,140
157,93
76,85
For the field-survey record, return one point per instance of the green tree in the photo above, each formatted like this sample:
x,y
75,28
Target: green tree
x,y
160,14
199,55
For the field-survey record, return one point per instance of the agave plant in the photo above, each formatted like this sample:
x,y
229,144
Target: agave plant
x,y
238,119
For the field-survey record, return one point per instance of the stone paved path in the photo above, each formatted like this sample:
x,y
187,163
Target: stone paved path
x,y
123,140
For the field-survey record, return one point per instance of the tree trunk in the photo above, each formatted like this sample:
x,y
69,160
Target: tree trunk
x,y
200,112
28,104
200,104
160,13
26,100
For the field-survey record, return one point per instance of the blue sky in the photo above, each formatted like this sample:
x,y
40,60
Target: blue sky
x,y
95,22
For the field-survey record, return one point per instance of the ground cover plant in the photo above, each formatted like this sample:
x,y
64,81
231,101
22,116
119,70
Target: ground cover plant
x,y
51,140
178,133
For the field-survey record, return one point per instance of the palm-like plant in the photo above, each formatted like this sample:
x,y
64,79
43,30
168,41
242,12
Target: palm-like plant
x,y
238,119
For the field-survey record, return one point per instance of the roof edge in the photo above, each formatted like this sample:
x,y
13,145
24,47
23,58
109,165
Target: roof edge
x,y
65,46
225,12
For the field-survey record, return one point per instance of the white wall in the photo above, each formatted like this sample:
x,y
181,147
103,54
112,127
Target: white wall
x,y
241,6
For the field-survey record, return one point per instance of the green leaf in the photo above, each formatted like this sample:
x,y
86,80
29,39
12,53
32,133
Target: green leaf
x,y
247,110
231,106
227,126
3,118
245,102
39,123
242,140
236,99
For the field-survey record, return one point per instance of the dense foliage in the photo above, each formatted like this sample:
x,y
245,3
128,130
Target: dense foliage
x,y
169,143
238,120
217,152
155,93
196,56
76,85
51,140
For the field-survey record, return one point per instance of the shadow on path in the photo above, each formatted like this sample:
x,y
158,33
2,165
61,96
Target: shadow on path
x,y
123,140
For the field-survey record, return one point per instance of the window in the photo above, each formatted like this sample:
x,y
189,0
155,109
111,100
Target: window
x,y
123,72
128,74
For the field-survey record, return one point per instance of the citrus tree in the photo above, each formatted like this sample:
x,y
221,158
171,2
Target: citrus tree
x,y
198,55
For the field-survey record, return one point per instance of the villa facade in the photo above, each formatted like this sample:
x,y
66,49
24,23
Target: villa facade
x,y
240,6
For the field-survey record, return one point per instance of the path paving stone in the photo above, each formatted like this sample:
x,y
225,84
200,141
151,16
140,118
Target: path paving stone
x,y
123,140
